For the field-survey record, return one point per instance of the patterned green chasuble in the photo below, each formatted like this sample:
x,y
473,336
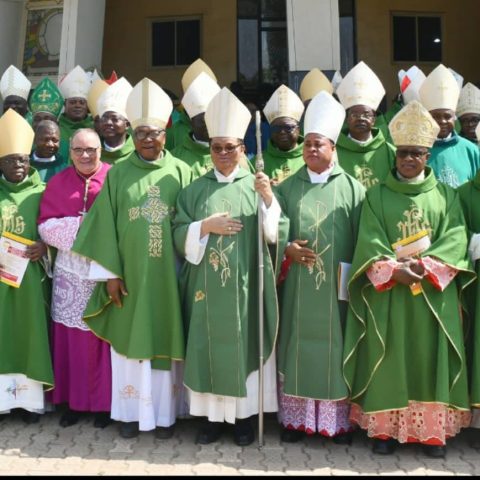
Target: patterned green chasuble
x,y
312,318
24,346
128,232
220,295
400,347
470,199
369,163
279,165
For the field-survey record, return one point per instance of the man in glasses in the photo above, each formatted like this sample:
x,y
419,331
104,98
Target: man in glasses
x,y
283,155
362,149
468,112
128,234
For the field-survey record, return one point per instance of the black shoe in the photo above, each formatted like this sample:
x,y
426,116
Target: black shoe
x,y
129,429
384,447
343,438
164,433
435,451
102,419
291,436
243,433
209,432
30,417
69,418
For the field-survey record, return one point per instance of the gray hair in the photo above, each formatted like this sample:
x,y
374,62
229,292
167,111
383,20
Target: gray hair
x,y
85,130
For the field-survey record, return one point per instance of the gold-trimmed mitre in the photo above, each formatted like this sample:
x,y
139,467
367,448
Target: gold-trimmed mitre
x,y
114,98
194,70
14,82
314,82
284,103
469,100
98,87
440,90
16,134
413,125
199,94
76,84
227,116
361,86
148,104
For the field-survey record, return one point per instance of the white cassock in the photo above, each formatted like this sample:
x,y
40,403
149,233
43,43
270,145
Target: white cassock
x,y
220,408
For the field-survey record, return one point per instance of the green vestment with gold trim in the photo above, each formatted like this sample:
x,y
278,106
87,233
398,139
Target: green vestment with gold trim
x,y
279,165
128,232
400,347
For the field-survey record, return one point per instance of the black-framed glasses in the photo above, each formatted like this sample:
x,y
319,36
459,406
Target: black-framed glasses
x,y
152,134
284,128
15,161
415,154
225,148
90,151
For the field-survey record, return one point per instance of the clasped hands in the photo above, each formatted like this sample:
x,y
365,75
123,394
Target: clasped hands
x,y
410,271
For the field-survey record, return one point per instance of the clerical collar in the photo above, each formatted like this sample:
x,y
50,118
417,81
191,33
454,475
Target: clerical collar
x,y
14,183
108,148
44,160
223,179
321,177
200,142
150,161
361,142
418,179
446,139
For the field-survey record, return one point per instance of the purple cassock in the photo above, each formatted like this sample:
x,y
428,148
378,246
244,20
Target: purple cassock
x,y
81,361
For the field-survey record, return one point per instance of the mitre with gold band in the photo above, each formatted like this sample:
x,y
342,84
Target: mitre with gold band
x,y
284,103
199,94
193,71
46,97
76,84
469,100
148,104
227,116
314,82
114,98
14,82
413,125
361,86
440,90
95,92
16,134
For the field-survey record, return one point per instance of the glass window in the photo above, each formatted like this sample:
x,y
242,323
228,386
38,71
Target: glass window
x,y
274,9
429,39
248,53
404,39
274,52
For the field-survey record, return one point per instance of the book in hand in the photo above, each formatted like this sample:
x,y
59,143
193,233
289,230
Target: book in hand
x,y
13,258
411,247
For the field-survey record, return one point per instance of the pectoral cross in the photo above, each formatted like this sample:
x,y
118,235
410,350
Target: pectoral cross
x,y
85,198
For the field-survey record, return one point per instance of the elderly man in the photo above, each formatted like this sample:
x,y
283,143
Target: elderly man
x,y
137,310
215,230
81,361
14,89
45,157
25,364
323,204
404,356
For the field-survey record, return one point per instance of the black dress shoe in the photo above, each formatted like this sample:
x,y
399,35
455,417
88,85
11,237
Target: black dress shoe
x,y
384,447
69,418
102,419
164,433
30,417
129,429
435,451
243,433
343,438
291,436
209,432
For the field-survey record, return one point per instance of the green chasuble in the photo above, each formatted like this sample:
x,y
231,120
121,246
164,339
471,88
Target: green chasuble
x,y
470,199
128,232
47,170
178,131
454,161
279,165
220,295
24,346
194,154
312,318
67,129
118,155
369,163
400,347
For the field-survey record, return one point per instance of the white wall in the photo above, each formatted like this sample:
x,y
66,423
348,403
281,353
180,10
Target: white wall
x,y
10,21
313,34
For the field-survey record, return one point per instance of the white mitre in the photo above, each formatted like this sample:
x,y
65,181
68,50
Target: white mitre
x,y
114,98
199,94
14,82
76,84
440,90
284,103
469,100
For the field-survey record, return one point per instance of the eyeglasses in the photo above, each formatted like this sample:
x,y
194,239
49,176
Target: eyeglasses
x,y
225,148
364,115
90,151
285,128
14,161
415,154
152,134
